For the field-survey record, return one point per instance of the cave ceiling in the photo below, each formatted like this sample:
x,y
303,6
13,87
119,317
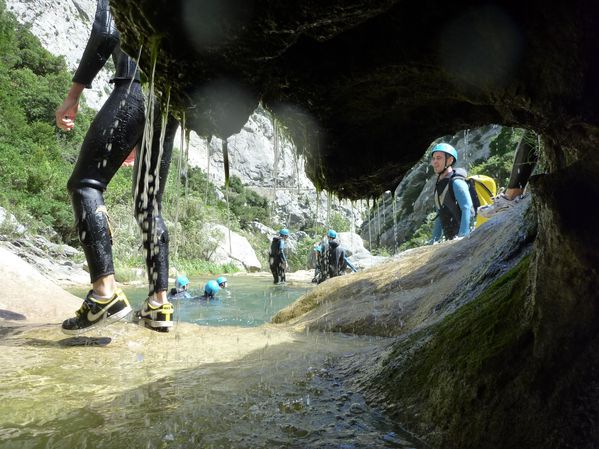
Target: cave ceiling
x,y
364,87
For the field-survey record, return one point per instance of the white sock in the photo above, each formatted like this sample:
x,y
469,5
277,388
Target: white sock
x,y
154,303
101,298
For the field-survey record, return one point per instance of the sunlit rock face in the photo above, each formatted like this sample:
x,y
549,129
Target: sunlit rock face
x,y
377,80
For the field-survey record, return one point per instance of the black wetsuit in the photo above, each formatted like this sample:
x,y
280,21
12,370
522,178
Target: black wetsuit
x,y
115,131
336,259
277,259
525,162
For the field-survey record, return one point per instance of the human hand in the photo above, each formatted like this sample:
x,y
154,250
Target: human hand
x,y
66,113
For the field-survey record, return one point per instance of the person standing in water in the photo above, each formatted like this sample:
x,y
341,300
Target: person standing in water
x,y
277,259
117,128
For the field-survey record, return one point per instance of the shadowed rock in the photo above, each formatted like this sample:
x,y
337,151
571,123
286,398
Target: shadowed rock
x,y
365,86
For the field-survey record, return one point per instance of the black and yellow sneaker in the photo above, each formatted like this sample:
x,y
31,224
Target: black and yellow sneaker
x,y
159,318
95,313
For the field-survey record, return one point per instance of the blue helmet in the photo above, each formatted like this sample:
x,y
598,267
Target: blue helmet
x,y
211,288
221,280
332,234
447,149
284,231
181,281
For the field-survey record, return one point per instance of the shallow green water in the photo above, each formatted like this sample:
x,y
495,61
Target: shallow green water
x,y
247,301
229,385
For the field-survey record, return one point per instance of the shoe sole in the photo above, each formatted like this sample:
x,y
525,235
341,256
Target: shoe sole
x,y
156,324
159,326
100,323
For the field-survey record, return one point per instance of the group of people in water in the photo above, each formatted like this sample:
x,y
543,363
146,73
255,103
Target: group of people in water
x,y
211,289
329,257
119,128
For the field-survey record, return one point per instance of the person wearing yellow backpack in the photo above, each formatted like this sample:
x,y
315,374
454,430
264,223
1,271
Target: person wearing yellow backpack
x,y
452,195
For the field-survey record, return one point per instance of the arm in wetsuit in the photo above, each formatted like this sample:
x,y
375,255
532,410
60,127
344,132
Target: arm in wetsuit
x,y
462,196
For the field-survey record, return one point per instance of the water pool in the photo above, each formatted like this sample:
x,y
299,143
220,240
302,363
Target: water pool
x,y
246,302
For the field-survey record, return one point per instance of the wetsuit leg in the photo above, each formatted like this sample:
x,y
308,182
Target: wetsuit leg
x,y
151,173
525,161
113,133
274,269
281,270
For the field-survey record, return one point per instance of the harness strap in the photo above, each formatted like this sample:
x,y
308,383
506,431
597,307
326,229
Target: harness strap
x,y
440,199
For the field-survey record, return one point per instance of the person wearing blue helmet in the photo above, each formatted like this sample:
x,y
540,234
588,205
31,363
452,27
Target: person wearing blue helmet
x,y
335,257
181,288
277,258
319,264
210,290
222,282
452,197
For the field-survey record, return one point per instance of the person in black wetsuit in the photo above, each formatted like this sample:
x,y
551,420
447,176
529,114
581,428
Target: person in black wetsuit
x,y
116,129
277,259
336,258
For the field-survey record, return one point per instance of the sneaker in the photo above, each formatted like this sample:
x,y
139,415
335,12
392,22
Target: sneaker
x,y
157,317
95,313
500,203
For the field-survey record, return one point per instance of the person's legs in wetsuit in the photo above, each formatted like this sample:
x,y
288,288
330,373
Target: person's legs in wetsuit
x,y
524,164
115,130
151,173
281,270
274,269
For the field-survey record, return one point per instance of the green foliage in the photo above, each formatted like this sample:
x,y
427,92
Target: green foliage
x,y
501,156
506,141
34,157
422,236
199,266
497,167
298,259
339,223
246,204
199,185
36,161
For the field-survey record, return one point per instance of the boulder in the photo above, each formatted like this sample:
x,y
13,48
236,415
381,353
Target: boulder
x,y
235,249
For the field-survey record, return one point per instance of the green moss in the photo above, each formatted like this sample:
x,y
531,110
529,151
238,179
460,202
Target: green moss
x,y
454,372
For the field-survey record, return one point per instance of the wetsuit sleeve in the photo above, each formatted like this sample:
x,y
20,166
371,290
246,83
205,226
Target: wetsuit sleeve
x,y
462,196
437,230
349,264
102,41
282,250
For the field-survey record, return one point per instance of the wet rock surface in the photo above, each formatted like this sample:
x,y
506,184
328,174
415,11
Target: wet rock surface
x,y
194,387
418,287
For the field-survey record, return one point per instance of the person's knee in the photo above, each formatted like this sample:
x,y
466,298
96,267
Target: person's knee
x,y
91,216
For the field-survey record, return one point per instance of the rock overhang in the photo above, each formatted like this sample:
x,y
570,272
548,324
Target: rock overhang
x,y
364,87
